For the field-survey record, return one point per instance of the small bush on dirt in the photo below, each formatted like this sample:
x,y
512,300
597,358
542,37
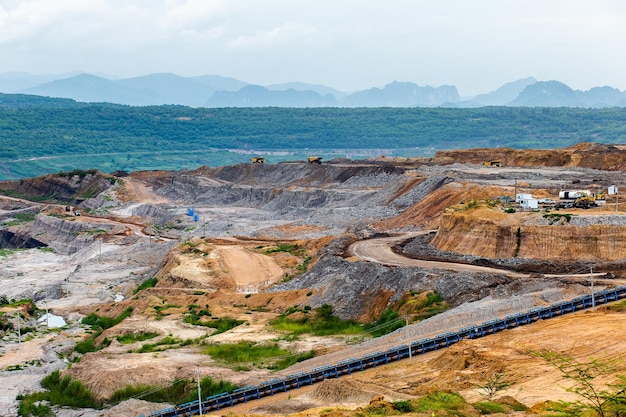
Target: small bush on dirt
x,y
62,391
490,407
95,321
292,359
149,283
20,218
167,341
181,391
286,247
492,385
132,338
403,406
270,356
447,401
80,172
388,322
324,323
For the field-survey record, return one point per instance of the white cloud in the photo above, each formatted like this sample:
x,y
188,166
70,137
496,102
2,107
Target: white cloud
x,y
477,45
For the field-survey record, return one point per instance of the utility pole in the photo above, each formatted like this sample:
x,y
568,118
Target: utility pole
x,y
199,393
406,331
19,331
593,297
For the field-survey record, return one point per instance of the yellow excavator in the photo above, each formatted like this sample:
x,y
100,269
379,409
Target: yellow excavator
x,y
315,160
258,160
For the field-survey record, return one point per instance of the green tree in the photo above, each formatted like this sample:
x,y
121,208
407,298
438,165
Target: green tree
x,y
605,402
492,385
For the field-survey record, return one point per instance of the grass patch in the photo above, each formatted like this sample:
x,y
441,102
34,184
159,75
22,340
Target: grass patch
x,y
20,218
132,338
103,322
163,344
82,173
270,356
295,250
450,402
388,322
181,391
322,323
7,252
222,325
149,283
403,406
292,359
62,391
98,325
304,265
619,306
490,407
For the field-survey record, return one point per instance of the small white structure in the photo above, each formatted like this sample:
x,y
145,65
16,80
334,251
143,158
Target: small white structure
x,y
521,196
612,190
529,203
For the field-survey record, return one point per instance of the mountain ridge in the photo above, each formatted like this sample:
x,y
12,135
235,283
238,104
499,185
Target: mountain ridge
x,y
219,91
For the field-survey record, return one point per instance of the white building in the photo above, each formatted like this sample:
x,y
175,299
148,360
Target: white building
x,y
529,203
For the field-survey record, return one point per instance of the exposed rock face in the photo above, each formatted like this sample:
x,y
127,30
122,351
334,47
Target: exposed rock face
x,y
13,240
72,189
68,237
493,234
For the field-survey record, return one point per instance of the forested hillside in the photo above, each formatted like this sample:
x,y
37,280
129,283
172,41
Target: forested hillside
x,y
65,134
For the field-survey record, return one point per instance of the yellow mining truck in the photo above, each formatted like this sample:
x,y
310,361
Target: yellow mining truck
x,y
492,163
315,160
258,160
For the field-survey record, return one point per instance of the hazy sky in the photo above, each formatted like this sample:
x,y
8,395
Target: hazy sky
x,y
477,45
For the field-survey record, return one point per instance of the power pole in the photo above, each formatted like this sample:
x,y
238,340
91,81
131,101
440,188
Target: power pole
x,y
593,297
408,339
199,393
19,331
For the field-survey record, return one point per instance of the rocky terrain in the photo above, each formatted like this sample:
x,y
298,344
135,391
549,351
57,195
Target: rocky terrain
x,y
252,242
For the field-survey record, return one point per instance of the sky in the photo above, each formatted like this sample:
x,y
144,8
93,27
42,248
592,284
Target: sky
x,y
350,45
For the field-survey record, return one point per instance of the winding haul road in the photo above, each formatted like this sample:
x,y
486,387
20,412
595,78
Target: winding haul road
x,y
379,250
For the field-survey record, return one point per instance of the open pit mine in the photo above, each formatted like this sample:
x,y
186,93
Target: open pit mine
x,y
374,285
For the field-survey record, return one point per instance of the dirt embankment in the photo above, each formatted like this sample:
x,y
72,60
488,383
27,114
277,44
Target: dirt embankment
x,y
583,155
575,235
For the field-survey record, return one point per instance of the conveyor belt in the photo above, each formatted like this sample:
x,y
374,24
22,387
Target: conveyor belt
x,y
397,353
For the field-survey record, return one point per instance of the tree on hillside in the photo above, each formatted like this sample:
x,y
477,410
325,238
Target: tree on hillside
x,y
585,377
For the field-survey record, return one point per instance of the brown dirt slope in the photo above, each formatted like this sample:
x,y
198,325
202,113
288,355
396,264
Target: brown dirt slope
x,y
426,213
489,232
584,155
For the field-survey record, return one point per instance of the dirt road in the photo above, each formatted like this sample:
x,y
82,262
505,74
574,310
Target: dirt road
x,y
379,251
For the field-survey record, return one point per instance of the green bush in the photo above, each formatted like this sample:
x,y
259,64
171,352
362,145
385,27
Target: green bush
x,y
286,247
324,324
62,391
97,322
490,407
132,338
448,401
388,322
149,283
403,406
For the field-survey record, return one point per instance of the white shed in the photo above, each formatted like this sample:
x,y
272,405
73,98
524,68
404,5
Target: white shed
x,y
529,203
521,196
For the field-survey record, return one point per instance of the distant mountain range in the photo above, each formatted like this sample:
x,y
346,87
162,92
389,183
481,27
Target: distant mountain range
x,y
218,91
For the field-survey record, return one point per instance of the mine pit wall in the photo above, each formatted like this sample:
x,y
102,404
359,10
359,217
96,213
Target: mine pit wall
x,y
64,236
11,240
465,234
